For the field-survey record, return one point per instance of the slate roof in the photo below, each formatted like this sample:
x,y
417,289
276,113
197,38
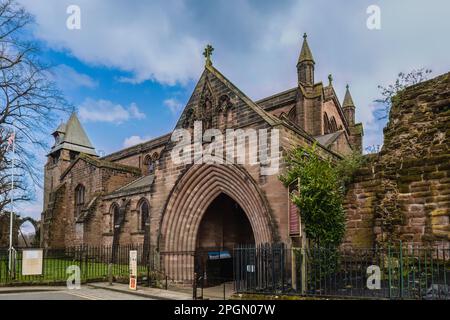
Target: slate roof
x,y
100,163
139,148
139,185
71,136
278,99
269,118
327,139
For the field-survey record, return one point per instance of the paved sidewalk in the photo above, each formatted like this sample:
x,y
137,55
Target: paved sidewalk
x,y
19,289
223,291
213,293
153,293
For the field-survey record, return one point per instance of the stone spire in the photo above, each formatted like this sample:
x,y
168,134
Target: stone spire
x,y
71,136
349,107
305,65
305,53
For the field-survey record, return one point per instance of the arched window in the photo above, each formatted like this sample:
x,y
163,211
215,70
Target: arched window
x,y
333,125
114,215
144,213
326,124
149,164
79,199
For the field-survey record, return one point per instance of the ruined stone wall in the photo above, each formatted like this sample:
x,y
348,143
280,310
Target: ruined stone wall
x,y
53,231
4,230
17,224
403,193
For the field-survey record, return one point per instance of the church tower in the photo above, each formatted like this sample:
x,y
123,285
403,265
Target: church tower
x,y
355,129
305,65
349,107
70,141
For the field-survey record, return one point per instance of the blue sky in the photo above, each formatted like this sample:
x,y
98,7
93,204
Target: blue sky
x,y
132,66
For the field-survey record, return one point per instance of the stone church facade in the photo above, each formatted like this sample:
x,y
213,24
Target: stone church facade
x,y
139,195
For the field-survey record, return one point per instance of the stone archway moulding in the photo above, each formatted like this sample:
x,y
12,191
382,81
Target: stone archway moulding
x,y
193,194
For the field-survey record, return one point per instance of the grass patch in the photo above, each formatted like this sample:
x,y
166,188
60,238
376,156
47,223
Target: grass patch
x,y
55,271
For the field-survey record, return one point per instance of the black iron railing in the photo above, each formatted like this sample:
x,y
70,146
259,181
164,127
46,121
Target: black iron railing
x,y
401,271
95,263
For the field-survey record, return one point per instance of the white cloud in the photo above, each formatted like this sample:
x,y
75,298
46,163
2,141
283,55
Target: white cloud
x,y
106,111
257,42
134,140
134,112
67,78
174,105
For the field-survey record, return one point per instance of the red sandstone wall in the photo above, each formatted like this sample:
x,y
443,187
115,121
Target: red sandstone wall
x,y
404,191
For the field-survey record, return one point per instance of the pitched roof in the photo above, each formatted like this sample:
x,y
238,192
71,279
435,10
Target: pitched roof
x,y
269,118
71,136
61,128
278,99
305,53
139,185
348,101
327,139
100,163
139,148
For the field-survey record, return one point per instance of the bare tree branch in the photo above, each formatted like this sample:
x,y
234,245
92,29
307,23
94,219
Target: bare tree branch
x,y
29,103
403,80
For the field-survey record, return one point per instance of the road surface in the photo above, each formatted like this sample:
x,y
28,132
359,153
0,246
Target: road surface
x,y
85,293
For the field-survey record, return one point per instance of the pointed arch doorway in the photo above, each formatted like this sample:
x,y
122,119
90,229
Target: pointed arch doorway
x,y
224,226
191,202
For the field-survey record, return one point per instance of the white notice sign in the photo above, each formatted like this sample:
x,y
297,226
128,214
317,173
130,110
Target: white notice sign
x,y
133,269
32,262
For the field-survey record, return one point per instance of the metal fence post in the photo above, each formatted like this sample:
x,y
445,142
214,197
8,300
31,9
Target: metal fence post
x,y
80,253
401,269
303,262
293,269
389,271
167,285
86,264
194,287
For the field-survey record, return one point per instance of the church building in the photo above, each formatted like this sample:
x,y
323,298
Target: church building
x,y
139,195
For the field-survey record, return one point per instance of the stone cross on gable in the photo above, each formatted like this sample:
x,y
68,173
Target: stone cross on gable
x,y
207,53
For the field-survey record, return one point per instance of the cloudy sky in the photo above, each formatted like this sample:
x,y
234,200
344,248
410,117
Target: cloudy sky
x,y
132,66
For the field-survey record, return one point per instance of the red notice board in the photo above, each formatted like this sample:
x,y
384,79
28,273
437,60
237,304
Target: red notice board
x,y
294,220
293,214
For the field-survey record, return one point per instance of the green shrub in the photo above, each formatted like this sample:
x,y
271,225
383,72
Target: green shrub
x,y
320,195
